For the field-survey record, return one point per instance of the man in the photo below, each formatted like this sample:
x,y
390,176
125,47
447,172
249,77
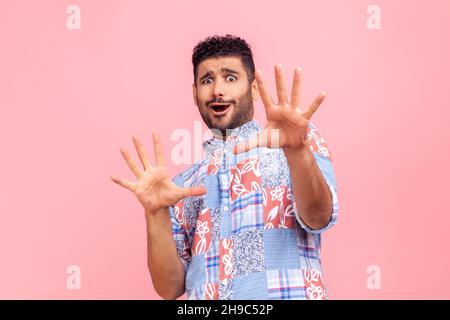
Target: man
x,y
245,222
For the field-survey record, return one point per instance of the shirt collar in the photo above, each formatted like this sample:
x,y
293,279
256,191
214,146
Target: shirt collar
x,y
238,134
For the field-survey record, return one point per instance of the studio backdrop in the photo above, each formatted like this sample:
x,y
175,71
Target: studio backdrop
x,y
78,78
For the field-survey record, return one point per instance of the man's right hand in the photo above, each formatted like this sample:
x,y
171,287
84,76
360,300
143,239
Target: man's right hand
x,y
154,188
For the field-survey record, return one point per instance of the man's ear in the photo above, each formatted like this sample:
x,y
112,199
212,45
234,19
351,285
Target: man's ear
x,y
255,91
194,93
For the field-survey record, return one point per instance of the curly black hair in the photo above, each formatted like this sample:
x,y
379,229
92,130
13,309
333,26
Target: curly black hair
x,y
229,45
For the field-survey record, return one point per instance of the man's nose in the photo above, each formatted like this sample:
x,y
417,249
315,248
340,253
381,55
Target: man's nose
x,y
218,88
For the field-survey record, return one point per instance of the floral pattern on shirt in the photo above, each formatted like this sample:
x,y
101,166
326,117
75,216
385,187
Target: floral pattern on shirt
x,y
245,178
248,254
251,242
315,288
279,211
202,237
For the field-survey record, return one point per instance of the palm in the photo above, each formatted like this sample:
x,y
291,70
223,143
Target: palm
x,y
154,189
286,122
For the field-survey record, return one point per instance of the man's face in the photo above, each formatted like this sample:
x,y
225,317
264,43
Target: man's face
x,y
223,94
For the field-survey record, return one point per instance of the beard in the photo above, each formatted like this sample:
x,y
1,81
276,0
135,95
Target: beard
x,y
242,113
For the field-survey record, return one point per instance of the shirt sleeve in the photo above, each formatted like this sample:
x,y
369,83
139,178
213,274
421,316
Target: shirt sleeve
x,y
179,232
323,160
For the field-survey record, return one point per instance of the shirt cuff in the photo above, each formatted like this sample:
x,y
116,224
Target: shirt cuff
x,y
332,220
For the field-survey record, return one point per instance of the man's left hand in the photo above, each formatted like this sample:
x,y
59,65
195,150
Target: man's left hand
x,y
287,124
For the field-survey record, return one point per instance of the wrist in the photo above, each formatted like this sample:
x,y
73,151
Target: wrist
x,y
156,216
297,152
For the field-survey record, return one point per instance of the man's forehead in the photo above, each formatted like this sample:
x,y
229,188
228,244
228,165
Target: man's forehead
x,y
216,64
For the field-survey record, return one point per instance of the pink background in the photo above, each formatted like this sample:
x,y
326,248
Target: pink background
x,y
70,99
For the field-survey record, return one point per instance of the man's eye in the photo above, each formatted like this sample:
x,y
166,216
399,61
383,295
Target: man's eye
x,y
231,78
208,80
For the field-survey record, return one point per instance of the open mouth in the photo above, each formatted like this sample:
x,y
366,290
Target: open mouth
x,y
219,108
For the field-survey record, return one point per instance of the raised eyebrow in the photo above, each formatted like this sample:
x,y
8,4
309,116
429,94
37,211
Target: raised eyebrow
x,y
206,75
210,73
229,70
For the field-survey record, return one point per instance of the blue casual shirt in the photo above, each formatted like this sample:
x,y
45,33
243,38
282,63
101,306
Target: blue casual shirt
x,y
244,238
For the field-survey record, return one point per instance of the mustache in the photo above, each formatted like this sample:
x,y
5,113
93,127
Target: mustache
x,y
219,100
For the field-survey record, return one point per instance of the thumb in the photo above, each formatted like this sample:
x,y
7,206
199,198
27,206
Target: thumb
x,y
264,139
245,146
194,191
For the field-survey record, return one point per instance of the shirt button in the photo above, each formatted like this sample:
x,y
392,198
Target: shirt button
x,y
225,208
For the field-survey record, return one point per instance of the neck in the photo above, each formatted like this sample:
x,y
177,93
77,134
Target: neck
x,y
224,134
220,134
